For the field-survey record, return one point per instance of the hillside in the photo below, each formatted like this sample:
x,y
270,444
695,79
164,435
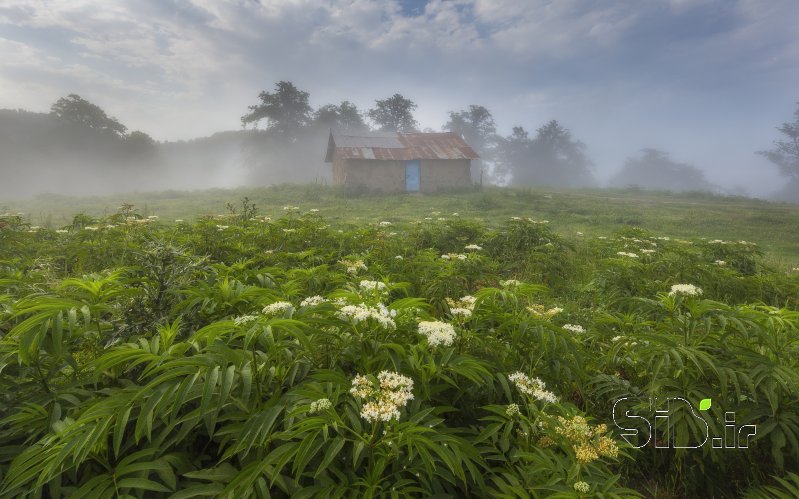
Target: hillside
x,y
593,212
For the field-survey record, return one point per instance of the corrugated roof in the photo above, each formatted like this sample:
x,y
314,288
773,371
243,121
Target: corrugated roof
x,y
398,146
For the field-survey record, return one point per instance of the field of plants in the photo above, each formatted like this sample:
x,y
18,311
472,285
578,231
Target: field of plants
x,y
290,354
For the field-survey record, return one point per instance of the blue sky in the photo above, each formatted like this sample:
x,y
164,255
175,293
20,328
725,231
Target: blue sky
x,y
706,80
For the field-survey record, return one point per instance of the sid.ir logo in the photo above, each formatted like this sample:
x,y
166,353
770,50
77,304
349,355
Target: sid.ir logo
x,y
639,430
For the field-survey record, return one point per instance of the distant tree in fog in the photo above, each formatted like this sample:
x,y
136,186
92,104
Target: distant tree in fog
x,y
74,109
394,114
786,150
655,170
286,111
552,157
345,116
140,144
477,126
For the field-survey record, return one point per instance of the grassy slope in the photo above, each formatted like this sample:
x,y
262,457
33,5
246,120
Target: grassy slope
x,y
774,226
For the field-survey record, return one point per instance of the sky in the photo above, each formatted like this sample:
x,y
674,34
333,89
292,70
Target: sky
x,y
706,80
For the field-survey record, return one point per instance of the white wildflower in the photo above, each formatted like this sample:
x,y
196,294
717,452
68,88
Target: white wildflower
x,y
279,307
437,333
685,289
532,386
473,247
244,319
574,328
647,251
510,283
399,257
312,301
320,405
512,410
582,487
371,286
62,231
362,312
629,255
385,224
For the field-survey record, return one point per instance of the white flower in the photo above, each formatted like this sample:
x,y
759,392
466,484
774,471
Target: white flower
x,y
510,283
579,233
512,410
153,217
353,266
221,227
362,312
629,255
685,289
279,307
383,401
602,237
465,312
582,487
720,263
244,319
437,333
314,210
289,231
461,256
385,224
179,220
320,405
445,257
312,301
616,338
473,247
399,257
647,251
62,231
532,386
371,286
574,328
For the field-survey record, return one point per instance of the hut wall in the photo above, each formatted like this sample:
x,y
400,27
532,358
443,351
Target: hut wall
x,y
387,176
445,174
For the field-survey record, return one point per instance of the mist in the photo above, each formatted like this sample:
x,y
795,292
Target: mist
x,y
706,83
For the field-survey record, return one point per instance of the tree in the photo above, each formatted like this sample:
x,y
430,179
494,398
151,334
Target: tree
x,y
74,109
553,157
476,125
655,170
345,116
286,111
786,152
139,144
394,114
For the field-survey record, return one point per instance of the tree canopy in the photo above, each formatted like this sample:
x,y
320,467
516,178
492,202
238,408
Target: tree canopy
x,y
553,157
286,110
655,170
74,109
394,114
344,116
786,150
476,125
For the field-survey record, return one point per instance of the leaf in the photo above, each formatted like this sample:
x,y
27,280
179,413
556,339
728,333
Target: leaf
x,y
704,404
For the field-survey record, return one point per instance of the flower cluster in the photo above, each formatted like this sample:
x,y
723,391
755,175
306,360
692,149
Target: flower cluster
x,y
372,286
574,328
437,333
628,255
384,224
463,307
582,487
454,256
354,266
362,312
588,442
532,386
320,405
244,319
312,301
510,283
512,410
382,400
542,312
473,247
685,289
277,308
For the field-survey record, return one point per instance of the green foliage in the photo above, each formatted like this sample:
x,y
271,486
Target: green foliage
x,y
221,358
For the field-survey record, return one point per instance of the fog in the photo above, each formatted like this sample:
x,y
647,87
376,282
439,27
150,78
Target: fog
x,y
705,84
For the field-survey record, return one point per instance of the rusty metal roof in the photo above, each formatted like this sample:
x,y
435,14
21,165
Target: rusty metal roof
x,y
395,146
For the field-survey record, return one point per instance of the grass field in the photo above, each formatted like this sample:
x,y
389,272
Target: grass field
x,y
594,212
501,343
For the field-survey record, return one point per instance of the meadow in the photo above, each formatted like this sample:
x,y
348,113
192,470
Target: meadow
x,y
301,342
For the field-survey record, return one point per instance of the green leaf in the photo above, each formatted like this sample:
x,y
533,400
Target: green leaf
x,y
704,404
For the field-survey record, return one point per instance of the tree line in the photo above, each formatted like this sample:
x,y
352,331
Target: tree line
x,y
287,135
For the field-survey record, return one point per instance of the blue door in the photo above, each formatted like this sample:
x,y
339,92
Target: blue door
x,y
412,175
